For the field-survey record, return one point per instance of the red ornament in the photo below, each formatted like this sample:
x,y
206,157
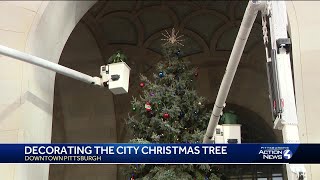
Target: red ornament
x,y
166,115
147,106
142,84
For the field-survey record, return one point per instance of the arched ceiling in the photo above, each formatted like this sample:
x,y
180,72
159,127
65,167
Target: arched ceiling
x,y
209,27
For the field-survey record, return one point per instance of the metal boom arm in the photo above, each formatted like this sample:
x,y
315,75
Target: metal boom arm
x,y
237,50
49,65
283,91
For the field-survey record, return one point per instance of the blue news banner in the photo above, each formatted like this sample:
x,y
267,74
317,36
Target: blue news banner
x,y
160,153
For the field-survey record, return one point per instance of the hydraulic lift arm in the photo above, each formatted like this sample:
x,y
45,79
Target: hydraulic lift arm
x,y
281,87
237,50
48,65
113,76
280,78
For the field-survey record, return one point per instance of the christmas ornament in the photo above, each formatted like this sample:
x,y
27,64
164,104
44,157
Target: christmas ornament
x,y
147,106
181,115
199,103
178,53
142,84
151,94
166,115
134,109
161,74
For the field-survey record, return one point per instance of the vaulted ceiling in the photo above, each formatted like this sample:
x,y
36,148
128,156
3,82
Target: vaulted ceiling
x,y
209,27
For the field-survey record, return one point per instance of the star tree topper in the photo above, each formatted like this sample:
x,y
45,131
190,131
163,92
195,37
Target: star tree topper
x,y
173,37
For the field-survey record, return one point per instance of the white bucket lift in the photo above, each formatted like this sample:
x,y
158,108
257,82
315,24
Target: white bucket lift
x,y
117,76
228,134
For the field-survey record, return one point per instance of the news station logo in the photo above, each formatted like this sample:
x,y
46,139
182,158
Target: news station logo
x,y
275,153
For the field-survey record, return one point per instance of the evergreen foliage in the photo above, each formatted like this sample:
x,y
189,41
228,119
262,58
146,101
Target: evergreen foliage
x,y
170,111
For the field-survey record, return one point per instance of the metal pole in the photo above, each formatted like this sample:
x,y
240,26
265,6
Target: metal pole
x,y
242,37
46,64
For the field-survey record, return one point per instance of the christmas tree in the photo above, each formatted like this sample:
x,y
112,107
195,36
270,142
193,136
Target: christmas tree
x,y
170,111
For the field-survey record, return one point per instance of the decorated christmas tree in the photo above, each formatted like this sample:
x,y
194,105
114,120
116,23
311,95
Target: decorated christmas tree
x,y
170,111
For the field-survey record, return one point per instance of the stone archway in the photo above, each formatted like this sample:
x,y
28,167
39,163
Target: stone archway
x,y
140,24
136,27
51,28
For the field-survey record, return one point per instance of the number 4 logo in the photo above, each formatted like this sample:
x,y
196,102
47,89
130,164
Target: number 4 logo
x,y
287,154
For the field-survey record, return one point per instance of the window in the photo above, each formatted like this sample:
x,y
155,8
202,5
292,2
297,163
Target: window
x,y
253,172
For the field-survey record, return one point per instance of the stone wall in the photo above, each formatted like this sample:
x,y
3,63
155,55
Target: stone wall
x,y
41,29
